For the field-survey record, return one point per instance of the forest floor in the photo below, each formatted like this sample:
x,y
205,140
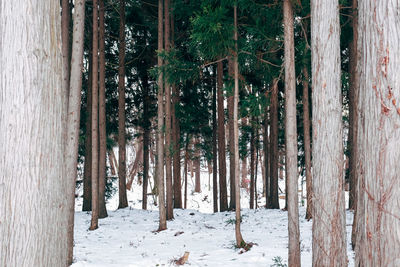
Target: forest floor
x,y
127,236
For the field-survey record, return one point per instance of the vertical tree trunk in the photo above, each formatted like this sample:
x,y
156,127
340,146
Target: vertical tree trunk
x,y
353,100
146,139
167,88
266,155
307,142
95,121
231,140
353,121
186,168
33,195
73,117
214,148
291,137
87,174
239,239
123,200
252,163
274,153
160,126
102,115
378,242
223,198
329,235
65,22
197,187
112,161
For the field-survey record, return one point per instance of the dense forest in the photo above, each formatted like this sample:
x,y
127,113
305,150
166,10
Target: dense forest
x,y
300,97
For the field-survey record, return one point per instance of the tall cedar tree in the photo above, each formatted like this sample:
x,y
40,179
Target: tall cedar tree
x,y
378,242
329,235
214,144
95,123
273,200
123,201
73,116
160,125
32,127
291,136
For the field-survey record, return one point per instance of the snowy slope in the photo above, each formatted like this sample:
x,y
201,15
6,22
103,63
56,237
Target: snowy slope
x,y
127,237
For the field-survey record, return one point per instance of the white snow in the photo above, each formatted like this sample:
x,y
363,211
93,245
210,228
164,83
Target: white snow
x,y
127,237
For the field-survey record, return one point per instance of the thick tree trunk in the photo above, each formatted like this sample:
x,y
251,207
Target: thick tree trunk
x,y
378,209
307,141
95,121
291,137
123,200
329,235
102,115
223,198
214,147
236,179
33,195
65,37
167,88
273,199
160,126
73,117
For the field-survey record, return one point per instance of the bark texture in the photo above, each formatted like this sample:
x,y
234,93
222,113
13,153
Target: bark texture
x,y
291,137
123,200
33,209
73,116
160,126
307,141
214,144
378,208
273,201
329,235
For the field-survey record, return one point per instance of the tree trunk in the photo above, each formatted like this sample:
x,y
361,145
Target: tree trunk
x,y
160,126
353,117
95,121
146,138
167,88
33,195
378,242
73,117
214,147
273,199
353,121
329,235
102,116
65,38
87,175
123,200
112,161
291,137
186,168
197,187
231,140
307,142
223,198
239,240
252,164
266,156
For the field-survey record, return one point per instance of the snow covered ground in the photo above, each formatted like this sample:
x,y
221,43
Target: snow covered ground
x,y
127,237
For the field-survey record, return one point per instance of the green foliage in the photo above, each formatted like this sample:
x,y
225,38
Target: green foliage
x,y
278,262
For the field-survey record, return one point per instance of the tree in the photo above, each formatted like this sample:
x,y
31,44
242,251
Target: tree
x,y
273,199
214,144
123,201
291,137
239,239
329,235
160,125
95,123
167,89
223,198
33,195
73,116
378,208
102,114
